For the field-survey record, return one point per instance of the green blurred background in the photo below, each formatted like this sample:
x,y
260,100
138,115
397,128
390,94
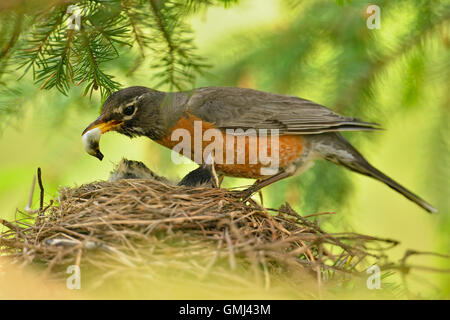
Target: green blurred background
x,y
397,76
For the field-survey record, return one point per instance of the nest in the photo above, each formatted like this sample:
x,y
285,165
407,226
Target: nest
x,y
114,229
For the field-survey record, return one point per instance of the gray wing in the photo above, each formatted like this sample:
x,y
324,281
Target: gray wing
x,y
233,108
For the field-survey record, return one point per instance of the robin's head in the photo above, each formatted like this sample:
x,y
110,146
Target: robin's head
x,y
132,111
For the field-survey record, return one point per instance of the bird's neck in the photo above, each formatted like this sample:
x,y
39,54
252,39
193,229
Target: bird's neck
x,y
171,106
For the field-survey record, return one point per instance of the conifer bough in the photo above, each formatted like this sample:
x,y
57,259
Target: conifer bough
x,y
70,42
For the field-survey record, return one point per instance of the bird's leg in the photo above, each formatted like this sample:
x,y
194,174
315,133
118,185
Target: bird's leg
x,y
209,162
259,185
261,197
259,192
220,178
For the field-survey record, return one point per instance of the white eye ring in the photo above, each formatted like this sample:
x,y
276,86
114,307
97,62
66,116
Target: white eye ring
x,y
129,110
129,107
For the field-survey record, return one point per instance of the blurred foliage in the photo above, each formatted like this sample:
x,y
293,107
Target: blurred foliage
x,y
320,50
325,52
36,37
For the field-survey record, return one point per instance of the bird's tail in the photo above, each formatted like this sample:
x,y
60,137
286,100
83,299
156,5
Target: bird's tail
x,y
346,155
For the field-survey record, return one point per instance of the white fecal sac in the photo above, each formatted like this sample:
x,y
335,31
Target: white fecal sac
x,y
91,142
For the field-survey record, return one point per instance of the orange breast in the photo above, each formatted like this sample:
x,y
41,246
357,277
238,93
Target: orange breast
x,y
238,156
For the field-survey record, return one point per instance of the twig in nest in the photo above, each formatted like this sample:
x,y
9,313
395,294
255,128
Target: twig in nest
x,y
318,214
41,188
30,197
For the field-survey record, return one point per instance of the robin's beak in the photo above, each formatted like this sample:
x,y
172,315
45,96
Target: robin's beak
x,y
103,125
91,135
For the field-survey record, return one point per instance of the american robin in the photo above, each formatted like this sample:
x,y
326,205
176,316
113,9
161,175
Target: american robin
x,y
203,176
305,130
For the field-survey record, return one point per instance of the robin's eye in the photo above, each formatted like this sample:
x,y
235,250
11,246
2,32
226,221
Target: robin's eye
x,y
128,111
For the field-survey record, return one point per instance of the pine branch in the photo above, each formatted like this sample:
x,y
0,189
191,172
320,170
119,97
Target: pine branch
x,y
92,52
9,46
56,59
13,98
58,70
170,45
134,17
13,39
178,65
193,6
364,81
32,55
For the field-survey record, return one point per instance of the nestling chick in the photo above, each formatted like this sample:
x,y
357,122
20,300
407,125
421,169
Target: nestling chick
x,y
203,176
130,169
